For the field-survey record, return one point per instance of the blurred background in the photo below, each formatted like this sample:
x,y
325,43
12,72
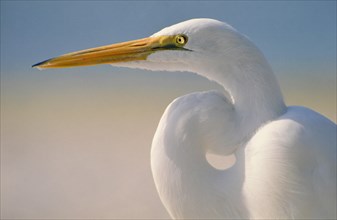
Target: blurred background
x,y
75,143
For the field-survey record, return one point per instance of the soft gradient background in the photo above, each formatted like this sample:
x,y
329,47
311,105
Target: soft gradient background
x,y
75,143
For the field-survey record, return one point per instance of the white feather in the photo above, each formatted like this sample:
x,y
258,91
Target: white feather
x,y
285,156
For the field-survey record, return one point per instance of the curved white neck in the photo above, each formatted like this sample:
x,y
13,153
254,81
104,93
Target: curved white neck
x,y
247,77
188,186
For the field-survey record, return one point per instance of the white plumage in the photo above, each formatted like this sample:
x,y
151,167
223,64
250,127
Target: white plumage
x,y
285,156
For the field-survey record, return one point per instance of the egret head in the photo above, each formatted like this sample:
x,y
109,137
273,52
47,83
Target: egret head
x,y
180,47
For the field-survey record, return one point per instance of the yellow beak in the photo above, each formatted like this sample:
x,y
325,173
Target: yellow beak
x,y
121,52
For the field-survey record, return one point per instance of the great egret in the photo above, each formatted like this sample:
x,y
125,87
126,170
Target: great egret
x,y
285,156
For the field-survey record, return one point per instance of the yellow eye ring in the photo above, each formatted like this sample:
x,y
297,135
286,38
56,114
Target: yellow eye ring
x,y
181,40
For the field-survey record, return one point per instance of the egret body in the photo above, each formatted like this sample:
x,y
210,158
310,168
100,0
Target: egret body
x,y
285,156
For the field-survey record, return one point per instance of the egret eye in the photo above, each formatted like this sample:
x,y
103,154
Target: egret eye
x,y
181,40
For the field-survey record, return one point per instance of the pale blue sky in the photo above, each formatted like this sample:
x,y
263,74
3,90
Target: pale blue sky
x,y
292,34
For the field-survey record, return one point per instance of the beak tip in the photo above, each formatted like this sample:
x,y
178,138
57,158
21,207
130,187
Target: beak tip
x,y
40,64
